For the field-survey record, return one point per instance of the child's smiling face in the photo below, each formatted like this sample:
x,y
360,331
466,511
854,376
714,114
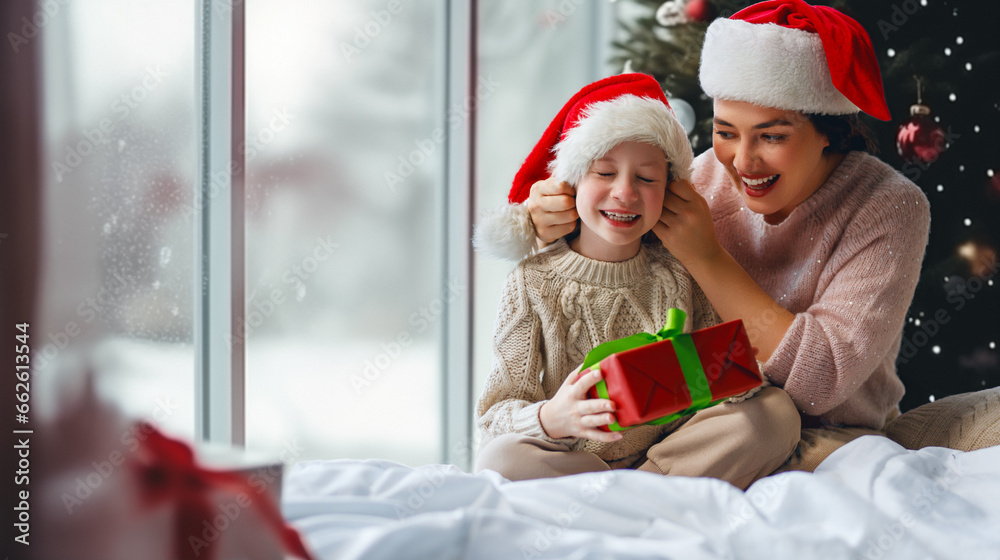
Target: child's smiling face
x,y
619,200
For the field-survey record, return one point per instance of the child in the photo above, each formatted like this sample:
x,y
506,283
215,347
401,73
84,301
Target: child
x,y
619,144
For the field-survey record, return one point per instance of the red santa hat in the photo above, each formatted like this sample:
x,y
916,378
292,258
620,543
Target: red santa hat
x,y
793,56
624,108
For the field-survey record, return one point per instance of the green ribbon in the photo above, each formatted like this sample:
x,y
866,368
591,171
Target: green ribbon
x,y
687,357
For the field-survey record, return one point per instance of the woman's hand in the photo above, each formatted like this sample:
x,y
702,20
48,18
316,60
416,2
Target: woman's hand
x,y
571,414
685,225
553,209
687,231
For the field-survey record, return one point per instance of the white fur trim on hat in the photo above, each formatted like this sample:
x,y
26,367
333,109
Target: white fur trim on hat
x,y
627,118
771,66
505,233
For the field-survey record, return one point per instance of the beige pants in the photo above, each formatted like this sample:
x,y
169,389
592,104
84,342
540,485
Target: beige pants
x,y
738,443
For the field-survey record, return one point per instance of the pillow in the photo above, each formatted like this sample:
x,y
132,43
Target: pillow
x,y
965,422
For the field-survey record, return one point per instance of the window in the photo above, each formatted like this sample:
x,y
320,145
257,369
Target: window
x,y
346,278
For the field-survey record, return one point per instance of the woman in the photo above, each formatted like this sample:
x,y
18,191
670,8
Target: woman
x,y
788,224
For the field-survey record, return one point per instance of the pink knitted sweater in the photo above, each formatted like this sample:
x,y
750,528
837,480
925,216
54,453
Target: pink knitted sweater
x,y
846,263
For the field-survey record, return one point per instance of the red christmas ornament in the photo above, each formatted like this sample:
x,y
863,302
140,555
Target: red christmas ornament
x,y
920,139
698,10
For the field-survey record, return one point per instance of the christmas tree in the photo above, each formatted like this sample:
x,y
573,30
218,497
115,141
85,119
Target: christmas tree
x,y
940,62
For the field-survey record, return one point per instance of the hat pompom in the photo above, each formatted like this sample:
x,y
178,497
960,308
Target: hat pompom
x,y
505,233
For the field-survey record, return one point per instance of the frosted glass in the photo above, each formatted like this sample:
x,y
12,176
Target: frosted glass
x,y
345,159
119,161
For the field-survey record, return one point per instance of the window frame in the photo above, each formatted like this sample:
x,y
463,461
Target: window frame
x,y
220,377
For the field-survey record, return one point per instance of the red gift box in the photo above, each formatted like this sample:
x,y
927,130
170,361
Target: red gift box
x,y
670,375
115,489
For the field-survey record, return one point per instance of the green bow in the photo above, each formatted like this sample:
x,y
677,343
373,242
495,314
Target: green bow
x,y
687,356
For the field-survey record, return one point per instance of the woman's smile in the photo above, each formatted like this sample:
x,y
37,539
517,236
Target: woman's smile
x,y
759,185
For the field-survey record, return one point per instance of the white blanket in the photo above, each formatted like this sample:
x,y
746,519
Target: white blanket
x,y
871,499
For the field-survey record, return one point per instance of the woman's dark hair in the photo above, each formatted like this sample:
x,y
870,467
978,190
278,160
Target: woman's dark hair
x,y
846,133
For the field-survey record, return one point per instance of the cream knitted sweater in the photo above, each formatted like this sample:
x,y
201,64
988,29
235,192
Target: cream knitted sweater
x,y
556,306
846,263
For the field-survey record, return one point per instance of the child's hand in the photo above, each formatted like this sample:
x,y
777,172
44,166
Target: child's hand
x,y
571,414
685,225
553,209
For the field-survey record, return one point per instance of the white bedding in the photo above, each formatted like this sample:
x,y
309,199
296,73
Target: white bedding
x,y
870,499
